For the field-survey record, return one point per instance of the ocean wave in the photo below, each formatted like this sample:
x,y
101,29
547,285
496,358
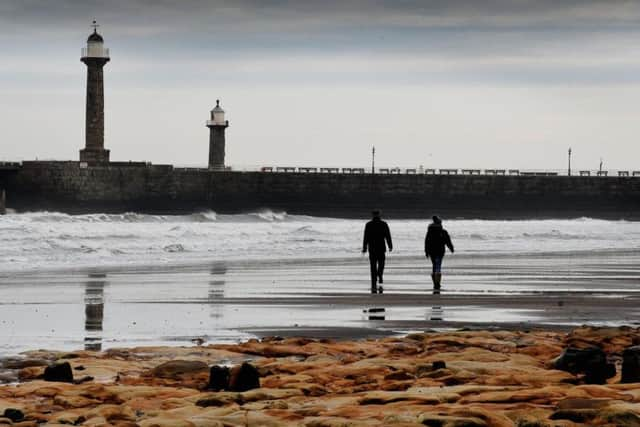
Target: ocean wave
x,y
555,234
269,215
208,216
265,215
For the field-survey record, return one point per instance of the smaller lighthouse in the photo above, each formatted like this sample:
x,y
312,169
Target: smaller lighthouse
x,y
217,126
95,56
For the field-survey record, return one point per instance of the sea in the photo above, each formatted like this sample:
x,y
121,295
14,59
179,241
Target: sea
x,y
45,241
103,280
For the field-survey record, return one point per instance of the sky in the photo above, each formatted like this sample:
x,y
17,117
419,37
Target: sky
x,y
439,84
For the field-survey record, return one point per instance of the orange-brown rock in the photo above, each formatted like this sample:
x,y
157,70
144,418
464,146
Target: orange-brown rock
x,y
488,378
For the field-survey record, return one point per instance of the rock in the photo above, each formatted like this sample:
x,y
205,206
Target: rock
x,y
84,379
218,378
434,420
59,372
20,363
398,376
244,377
31,373
219,399
8,376
631,365
15,415
438,364
575,415
592,362
426,370
175,368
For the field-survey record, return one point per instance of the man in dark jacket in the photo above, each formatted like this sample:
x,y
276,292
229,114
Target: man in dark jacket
x,y
376,234
434,243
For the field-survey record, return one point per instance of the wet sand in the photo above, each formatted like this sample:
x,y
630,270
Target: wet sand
x,y
233,301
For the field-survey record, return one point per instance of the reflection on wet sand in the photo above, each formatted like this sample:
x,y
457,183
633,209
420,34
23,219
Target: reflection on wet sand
x,y
216,289
435,313
378,313
94,311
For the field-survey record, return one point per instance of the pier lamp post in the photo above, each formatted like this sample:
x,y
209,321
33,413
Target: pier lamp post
x,y
373,159
569,170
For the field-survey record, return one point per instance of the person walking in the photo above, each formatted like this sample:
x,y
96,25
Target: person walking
x,y
434,248
376,238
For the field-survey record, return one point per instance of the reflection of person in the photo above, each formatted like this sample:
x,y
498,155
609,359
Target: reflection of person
x,y
434,247
376,239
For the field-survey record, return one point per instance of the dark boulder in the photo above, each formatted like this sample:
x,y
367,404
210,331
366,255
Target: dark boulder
x,y
59,372
218,378
631,365
244,377
592,362
439,364
15,415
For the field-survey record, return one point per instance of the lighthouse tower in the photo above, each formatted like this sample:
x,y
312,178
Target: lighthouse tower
x,y
95,56
217,126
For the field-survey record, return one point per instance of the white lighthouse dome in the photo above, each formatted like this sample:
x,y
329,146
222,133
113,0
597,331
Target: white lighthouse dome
x,y
95,46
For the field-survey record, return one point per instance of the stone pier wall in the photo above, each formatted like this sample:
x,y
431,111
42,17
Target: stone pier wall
x,y
120,187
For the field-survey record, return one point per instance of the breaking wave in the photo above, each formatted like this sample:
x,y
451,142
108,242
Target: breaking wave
x,y
50,240
132,217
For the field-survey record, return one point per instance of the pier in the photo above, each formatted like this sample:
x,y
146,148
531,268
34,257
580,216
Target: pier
x,y
334,192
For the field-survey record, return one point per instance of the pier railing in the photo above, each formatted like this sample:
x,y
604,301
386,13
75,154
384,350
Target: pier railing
x,y
436,171
420,170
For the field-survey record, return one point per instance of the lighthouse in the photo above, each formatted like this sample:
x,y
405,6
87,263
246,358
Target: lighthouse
x,y
217,126
95,56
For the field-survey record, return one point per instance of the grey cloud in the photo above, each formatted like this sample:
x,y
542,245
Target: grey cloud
x,y
276,15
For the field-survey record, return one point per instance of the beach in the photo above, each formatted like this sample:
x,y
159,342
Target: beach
x,y
142,307
236,300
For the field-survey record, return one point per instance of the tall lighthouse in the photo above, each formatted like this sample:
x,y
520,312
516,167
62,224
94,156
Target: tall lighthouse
x,y
95,56
217,126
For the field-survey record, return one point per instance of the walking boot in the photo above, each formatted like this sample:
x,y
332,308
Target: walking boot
x,y
433,279
437,279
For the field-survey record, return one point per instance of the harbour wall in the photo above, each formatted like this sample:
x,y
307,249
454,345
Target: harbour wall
x,y
120,187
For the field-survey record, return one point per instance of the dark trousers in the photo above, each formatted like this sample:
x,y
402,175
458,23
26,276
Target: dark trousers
x,y
376,261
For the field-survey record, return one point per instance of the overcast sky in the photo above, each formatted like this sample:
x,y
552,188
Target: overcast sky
x,y
505,84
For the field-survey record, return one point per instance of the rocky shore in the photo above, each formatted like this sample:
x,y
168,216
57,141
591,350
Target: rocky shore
x,y
451,379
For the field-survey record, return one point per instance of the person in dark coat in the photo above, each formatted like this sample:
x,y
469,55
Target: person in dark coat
x,y
434,248
376,238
